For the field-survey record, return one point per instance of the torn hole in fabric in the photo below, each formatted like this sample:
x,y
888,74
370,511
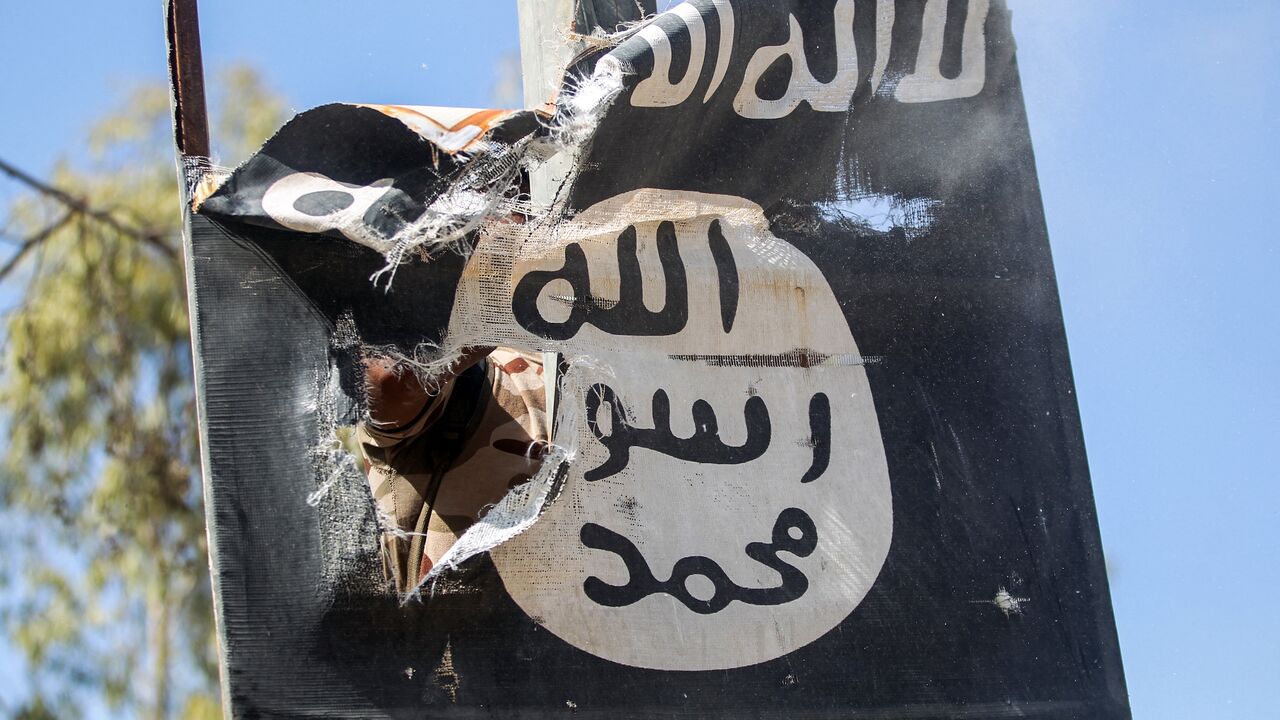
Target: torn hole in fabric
x,y
462,174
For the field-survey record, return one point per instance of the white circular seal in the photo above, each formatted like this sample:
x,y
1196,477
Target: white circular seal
x,y
728,499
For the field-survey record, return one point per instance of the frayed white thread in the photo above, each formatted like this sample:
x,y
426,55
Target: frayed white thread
x,y
403,534
203,177
486,189
387,526
314,498
582,105
428,361
601,38
331,460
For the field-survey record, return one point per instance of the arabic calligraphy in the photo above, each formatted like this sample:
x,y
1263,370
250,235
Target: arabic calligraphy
x,y
728,493
726,274
819,436
704,446
627,316
927,83
833,96
657,90
924,83
794,532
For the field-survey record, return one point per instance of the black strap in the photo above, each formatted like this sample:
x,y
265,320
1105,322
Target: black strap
x,y
462,413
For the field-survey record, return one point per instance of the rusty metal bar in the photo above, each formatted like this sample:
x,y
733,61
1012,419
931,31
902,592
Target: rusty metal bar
x,y
186,77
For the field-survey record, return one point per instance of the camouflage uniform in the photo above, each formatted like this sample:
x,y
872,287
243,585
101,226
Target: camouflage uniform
x,y
506,431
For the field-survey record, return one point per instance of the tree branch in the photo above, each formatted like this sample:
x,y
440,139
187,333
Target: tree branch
x,y
79,205
30,243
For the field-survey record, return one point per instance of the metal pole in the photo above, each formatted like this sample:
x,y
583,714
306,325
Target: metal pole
x,y
547,45
186,77
544,46
191,139
548,30
544,52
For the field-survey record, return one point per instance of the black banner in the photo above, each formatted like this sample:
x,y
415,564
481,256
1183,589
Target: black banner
x,y
820,453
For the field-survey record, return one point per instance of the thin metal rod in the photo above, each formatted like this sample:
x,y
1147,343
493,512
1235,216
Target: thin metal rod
x,y
186,77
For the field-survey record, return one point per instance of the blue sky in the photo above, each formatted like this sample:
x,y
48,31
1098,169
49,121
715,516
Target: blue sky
x,y
1155,126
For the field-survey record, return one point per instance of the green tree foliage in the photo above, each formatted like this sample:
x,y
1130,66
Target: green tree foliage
x,y
100,494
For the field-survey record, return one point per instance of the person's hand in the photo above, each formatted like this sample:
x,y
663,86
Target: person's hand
x,y
394,393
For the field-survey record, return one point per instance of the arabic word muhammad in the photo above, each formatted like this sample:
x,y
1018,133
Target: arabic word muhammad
x,y
793,533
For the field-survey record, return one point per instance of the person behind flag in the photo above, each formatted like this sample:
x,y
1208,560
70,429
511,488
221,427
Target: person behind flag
x,y
439,452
